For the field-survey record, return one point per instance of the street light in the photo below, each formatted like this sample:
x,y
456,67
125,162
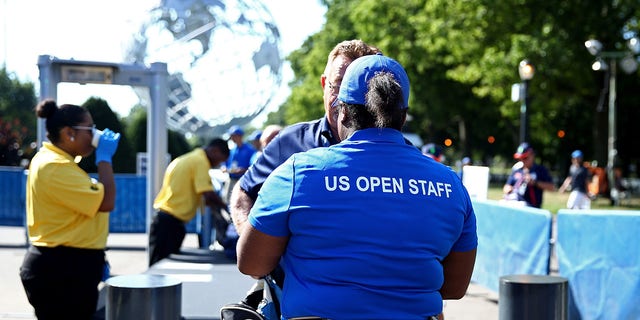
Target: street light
x,y
526,71
629,65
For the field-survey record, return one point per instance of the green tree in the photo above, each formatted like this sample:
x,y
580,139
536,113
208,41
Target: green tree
x,y
462,59
17,119
124,160
137,130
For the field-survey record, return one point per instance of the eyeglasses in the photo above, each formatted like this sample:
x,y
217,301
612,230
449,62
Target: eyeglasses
x,y
92,128
333,87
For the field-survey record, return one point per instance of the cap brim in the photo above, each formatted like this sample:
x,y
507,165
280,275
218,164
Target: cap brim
x,y
520,156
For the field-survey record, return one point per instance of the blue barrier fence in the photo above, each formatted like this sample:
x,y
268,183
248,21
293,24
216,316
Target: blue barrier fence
x,y
597,251
12,196
129,215
512,240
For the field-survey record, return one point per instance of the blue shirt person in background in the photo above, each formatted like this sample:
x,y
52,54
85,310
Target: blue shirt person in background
x,y
368,228
254,139
578,182
239,158
526,183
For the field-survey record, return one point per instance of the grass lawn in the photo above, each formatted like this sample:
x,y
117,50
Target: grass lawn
x,y
554,201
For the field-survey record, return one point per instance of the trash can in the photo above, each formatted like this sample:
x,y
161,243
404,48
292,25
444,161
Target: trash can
x,y
143,297
531,297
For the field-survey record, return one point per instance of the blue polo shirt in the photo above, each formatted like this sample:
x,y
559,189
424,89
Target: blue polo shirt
x,y
241,156
369,221
292,139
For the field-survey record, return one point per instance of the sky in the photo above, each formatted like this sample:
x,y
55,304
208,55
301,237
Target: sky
x,y
97,31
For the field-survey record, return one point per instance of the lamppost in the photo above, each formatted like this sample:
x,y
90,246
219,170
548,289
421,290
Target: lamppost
x,y
629,65
526,71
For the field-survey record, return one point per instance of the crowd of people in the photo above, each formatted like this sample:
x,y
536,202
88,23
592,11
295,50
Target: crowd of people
x,y
349,218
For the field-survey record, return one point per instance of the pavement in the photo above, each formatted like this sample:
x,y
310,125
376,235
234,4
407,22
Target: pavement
x,y
127,256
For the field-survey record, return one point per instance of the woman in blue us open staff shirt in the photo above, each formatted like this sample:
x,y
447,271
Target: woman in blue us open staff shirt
x,y
368,228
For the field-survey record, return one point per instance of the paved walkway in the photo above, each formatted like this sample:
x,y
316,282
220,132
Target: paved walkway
x,y
127,256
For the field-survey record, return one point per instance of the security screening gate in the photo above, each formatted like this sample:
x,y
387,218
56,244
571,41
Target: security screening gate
x,y
54,70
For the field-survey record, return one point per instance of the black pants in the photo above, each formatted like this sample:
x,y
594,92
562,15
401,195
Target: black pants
x,y
165,236
62,282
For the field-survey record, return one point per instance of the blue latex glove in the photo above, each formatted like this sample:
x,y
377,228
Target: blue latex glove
x,y
107,146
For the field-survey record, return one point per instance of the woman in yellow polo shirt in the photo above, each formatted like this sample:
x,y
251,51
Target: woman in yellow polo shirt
x,y
67,215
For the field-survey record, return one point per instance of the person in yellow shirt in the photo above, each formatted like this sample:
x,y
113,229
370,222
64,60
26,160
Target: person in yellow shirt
x,y
186,181
67,214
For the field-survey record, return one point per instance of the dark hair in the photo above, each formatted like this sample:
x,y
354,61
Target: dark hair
x,y
67,115
383,108
220,144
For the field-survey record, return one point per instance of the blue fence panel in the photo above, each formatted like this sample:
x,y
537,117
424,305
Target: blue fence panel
x,y
511,240
12,196
599,252
129,215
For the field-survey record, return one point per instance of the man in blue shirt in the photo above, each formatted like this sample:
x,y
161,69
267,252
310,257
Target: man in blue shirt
x,y
301,136
239,158
527,183
368,228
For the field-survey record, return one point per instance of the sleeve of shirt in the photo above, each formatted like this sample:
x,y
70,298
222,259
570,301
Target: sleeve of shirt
x,y
252,180
270,214
468,239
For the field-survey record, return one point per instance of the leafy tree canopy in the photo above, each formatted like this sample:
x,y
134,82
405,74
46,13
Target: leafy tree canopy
x,y
462,59
124,160
17,120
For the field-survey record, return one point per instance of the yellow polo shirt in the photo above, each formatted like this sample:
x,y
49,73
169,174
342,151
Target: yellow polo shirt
x,y
63,201
185,180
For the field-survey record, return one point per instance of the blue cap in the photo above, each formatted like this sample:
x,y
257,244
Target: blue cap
x,y
524,149
255,135
235,130
576,154
354,86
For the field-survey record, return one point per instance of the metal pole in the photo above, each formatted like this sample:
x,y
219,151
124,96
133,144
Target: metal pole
x,y
523,110
48,89
611,145
156,137
528,296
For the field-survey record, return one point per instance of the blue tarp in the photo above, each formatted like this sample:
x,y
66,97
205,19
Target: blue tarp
x,y
599,252
12,196
129,215
511,240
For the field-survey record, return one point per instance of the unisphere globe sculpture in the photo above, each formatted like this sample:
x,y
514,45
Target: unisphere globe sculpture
x,y
223,58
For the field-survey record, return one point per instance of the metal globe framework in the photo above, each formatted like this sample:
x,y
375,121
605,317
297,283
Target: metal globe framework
x,y
223,58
